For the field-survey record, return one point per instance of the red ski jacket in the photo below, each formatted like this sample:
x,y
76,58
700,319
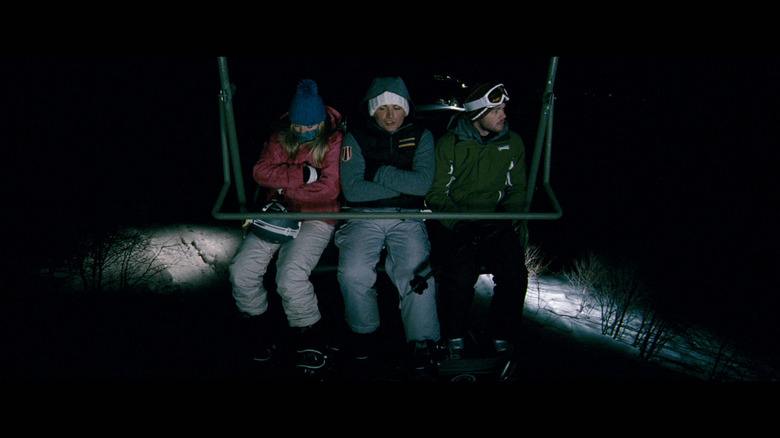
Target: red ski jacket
x,y
283,175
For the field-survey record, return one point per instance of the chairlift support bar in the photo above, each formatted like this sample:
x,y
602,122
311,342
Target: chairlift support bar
x,y
229,141
231,158
544,135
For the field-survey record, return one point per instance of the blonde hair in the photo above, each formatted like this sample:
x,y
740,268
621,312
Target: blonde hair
x,y
318,147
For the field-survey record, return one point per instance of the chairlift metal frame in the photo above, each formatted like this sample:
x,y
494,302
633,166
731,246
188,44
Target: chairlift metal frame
x,y
231,162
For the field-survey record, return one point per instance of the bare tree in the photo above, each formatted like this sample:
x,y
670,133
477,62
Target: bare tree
x,y
653,333
536,266
614,287
618,292
92,255
584,276
119,259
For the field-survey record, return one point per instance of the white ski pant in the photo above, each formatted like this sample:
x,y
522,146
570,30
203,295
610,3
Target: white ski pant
x,y
360,243
297,258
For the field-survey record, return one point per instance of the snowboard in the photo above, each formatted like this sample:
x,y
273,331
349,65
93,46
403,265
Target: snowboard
x,y
478,369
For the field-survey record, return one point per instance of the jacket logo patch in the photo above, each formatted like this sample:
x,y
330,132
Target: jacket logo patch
x,y
406,143
503,148
346,153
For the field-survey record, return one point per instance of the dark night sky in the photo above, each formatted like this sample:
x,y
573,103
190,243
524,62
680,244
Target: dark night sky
x,y
666,158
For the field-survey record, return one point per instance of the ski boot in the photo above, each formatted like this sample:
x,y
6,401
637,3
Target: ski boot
x,y
311,353
453,349
422,360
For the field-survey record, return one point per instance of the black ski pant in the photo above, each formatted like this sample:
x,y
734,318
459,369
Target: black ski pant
x,y
459,256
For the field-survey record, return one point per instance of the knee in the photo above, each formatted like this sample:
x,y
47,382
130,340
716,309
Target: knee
x,y
355,273
459,276
238,275
290,275
509,276
246,273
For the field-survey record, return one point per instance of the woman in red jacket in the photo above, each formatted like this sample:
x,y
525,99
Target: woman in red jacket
x,y
299,168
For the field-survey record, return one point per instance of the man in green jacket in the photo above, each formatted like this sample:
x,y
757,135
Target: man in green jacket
x,y
480,167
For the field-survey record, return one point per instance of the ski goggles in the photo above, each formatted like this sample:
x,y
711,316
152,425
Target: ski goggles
x,y
493,98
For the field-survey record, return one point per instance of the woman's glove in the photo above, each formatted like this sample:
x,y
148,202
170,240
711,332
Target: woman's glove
x,y
311,173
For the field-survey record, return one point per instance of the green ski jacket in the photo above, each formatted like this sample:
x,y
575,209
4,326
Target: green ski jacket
x,y
476,175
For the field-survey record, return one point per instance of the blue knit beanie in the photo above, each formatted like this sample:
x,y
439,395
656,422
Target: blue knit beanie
x,y
307,108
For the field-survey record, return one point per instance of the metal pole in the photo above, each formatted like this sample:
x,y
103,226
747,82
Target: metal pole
x,y
544,120
346,214
226,102
226,182
548,145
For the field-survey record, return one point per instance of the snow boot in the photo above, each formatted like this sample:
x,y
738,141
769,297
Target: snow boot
x,y
453,349
311,352
423,357
503,347
256,333
361,361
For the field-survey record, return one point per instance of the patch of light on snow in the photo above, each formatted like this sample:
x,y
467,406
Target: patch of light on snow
x,y
554,304
195,255
552,301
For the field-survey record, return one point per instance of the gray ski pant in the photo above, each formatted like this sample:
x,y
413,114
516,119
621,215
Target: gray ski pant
x,y
297,258
360,243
